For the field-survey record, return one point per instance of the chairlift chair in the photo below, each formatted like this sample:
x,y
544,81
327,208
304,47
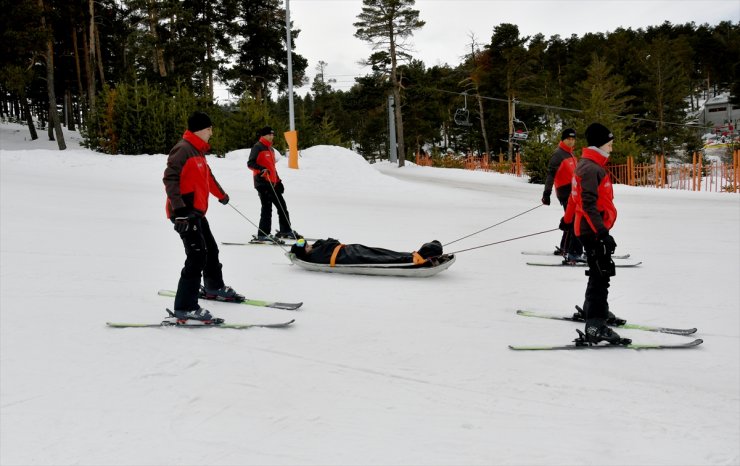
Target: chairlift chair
x,y
462,115
520,133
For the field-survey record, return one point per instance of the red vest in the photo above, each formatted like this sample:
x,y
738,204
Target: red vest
x,y
564,175
605,212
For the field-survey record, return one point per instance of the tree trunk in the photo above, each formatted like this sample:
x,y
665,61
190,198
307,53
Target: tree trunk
x,y
99,54
70,111
510,150
76,54
27,115
90,58
482,120
158,57
397,104
53,114
209,74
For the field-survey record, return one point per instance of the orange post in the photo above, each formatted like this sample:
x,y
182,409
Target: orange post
x,y
292,139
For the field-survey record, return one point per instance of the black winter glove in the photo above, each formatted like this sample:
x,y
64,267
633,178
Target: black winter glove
x,y
606,267
225,200
609,244
546,199
564,226
279,188
185,220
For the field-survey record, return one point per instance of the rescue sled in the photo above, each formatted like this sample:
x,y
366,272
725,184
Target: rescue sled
x,y
427,269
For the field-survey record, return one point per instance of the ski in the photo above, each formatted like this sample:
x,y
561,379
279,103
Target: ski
x,y
268,243
248,302
580,264
281,242
546,253
633,346
174,323
646,328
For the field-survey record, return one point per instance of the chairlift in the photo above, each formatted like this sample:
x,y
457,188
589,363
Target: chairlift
x,y
462,115
521,133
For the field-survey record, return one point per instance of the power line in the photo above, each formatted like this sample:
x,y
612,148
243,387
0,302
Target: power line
x,y
534,104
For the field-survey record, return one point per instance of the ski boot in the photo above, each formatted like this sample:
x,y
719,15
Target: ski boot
x,y
596,332
611,319
198,316
225,293
574,259
269,239
292,234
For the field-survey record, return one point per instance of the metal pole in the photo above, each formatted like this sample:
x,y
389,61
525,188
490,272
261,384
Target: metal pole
x,y
291,112
392,131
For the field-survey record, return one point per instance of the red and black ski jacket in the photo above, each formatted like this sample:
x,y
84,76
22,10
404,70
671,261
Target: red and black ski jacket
x,y
591,205
560,172
262,157
188,179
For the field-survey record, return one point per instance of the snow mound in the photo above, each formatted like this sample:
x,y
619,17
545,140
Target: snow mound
x,y
334,168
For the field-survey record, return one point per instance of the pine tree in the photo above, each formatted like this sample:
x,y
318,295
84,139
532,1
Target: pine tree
x,y
22,40
261,53
603,98
665,85
387,24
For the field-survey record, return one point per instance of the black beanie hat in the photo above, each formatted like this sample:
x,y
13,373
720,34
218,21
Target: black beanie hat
x,y
597,135
265,131
568,133
199,121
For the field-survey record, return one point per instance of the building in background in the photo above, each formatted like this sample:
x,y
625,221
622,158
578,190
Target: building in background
x,y
723,116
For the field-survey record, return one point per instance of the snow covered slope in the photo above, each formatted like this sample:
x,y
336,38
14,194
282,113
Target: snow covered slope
x,y
376,370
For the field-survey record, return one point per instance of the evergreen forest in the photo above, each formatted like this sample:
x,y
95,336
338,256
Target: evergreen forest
x,y
127,73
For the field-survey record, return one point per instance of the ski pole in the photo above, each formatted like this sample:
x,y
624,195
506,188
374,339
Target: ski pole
x,y
499,223
267,235
503,241
280,205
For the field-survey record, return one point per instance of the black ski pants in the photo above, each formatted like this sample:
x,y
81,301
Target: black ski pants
x,y
201,253
600,270
270,196
569,242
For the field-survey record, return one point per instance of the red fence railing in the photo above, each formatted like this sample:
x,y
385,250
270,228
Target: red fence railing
x,y
694,176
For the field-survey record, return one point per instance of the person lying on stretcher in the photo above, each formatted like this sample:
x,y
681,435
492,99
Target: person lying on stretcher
x,y
331,251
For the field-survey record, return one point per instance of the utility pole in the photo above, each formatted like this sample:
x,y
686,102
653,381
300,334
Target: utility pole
x,y
292,135
392,130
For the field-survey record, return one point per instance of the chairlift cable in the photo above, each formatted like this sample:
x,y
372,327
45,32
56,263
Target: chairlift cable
x,y
556,107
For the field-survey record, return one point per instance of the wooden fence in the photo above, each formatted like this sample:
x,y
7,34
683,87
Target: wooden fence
x,y
472,162
695,176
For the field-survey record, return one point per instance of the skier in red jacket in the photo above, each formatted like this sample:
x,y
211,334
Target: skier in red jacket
x,y
188,182
270,188
591,211
559,174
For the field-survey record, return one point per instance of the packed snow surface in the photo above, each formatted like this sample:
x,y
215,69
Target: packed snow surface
x,y
375,370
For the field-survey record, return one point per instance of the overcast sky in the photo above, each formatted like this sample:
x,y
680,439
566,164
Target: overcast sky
x,y
327,32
